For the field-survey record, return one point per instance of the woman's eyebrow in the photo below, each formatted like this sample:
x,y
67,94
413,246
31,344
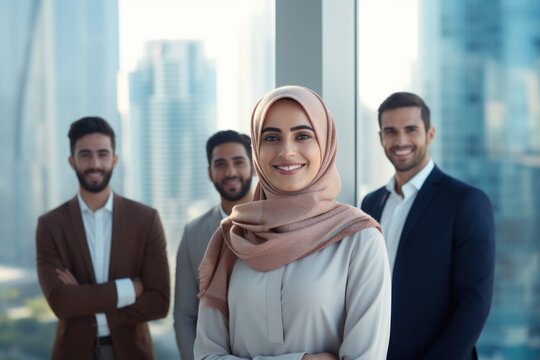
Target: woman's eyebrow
x,y
302,127
270,129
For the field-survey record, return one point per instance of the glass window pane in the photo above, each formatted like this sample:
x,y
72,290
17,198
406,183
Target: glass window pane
x,y
166,74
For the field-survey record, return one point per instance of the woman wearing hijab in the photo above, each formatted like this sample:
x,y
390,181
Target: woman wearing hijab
x,y
294,274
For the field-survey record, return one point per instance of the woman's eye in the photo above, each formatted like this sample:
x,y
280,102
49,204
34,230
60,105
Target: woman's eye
x,y
303,137
271,138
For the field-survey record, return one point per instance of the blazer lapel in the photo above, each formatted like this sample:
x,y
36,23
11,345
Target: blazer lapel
x,y
214,220
377,214
426,193
118,223
79,235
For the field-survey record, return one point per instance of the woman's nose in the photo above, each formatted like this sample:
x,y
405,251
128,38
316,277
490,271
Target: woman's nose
x,y
287,149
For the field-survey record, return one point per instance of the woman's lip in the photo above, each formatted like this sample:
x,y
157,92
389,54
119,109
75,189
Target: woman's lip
x,y
288,169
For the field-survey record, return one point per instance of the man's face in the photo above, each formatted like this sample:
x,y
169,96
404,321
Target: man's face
x,y
405,140
230,170
93,161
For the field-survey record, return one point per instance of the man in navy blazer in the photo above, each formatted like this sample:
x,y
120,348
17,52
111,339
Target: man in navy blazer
x,y
440,238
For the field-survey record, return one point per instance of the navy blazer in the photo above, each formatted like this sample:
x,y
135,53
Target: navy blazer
x,y
442,281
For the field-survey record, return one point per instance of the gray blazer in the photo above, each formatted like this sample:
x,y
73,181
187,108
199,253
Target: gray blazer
x,y
197,234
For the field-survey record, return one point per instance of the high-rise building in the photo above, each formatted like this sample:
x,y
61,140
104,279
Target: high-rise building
x,y
481,62
60,60
172,114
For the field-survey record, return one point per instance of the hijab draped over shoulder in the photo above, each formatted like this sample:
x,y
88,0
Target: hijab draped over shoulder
x,y
278,227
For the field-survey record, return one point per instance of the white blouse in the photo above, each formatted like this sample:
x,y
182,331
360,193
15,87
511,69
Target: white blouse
x,y
336,300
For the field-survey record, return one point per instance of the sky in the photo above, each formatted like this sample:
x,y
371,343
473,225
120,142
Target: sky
x,y
388,48
387,40
207,20
215,22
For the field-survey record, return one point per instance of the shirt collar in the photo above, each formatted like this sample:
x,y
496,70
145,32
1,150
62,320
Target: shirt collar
x,y
84,208
222,212
415,183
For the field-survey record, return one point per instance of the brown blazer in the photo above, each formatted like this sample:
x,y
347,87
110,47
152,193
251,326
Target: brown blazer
x,y
137,250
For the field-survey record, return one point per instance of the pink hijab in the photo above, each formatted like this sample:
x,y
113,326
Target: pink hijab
x,y
277,227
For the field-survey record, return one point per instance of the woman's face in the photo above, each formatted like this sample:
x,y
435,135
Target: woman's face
x,y
289,153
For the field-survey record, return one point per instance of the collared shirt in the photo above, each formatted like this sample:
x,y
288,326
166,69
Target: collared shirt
x,y
98,230
222,212
397,209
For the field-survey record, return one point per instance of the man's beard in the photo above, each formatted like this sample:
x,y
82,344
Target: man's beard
x,y
246,186
94,188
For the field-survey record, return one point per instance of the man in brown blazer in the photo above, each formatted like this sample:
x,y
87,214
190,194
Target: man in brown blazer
x,y
101,259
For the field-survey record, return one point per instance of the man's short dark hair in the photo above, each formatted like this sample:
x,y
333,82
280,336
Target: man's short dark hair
x,y
89,125
227,136
406,99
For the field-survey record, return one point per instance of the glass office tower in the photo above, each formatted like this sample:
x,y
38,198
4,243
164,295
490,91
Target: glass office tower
x,y
59,63
172,114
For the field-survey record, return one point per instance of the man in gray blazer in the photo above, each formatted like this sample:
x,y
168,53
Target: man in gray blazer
x,y
230,169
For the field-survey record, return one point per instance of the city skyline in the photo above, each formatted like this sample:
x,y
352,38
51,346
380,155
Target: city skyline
x,y
173,101
44,64
240,78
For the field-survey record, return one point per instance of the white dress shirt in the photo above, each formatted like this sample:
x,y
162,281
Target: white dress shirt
x,y
336,299
98,230
222,212
397,209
